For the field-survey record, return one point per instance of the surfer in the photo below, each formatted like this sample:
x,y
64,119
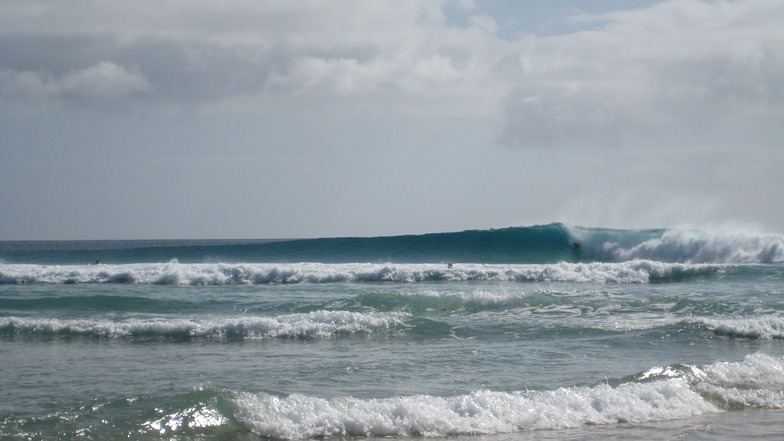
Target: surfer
x,y
449,265
576,246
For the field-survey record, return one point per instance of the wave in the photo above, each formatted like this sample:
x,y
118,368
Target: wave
x,y
175,273
659,394
317,324
763,327
758,326
538,244
681,245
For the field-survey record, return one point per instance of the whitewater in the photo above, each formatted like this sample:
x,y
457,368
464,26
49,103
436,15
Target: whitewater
x,y
538,332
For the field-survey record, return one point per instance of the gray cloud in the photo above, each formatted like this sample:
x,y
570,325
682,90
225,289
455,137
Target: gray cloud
x,y
664,72
104,81
201,56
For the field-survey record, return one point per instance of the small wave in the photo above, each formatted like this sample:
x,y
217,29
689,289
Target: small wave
x,y
197,417
758,327
764,327
312,325
174,273
660,394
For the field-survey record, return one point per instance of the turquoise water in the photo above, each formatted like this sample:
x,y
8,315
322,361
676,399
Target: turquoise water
x,y
643,334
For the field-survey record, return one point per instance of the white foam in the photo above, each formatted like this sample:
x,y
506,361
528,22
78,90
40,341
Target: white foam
x,y
174,273
482,412
756,382
310,325
699,246
660,394
762,326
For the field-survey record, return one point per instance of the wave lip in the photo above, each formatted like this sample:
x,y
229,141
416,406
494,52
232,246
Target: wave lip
x,y
659,394
318,324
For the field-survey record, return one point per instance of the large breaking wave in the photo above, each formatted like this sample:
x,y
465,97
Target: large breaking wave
x,y
540,244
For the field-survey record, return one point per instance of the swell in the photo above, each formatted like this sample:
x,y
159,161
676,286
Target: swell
x,y
104,303
536,244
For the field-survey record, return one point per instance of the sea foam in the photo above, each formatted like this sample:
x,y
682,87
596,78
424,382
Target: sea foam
x,y
760,326
310,325
689,246
175,273
659,394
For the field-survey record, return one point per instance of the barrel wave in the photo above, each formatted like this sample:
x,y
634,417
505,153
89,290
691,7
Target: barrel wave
x,y
538,244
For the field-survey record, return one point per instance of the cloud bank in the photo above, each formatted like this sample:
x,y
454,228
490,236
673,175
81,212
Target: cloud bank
x,y
683,66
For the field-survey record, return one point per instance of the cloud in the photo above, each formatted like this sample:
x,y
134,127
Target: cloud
x,y
667,72
103,81
671,72
99,84
395,51
398,98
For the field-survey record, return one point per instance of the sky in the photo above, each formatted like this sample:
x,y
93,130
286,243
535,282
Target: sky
x,y
152,119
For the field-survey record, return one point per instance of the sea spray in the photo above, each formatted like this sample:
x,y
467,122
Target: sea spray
x,y
691,246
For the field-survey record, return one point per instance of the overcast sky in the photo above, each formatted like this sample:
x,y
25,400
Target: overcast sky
x,y
271,119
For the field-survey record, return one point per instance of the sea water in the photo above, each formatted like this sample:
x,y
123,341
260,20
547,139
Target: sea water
x,y
543,332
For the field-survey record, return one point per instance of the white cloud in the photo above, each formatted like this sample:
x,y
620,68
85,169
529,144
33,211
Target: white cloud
x,y
675,68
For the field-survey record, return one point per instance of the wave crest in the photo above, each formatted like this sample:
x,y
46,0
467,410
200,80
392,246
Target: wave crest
x,y
658,395
687,246
174,273
316,324
765,327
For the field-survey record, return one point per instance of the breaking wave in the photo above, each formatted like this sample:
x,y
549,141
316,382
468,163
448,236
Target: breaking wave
x,y
539,244
175,273
659,394
682,245
318,324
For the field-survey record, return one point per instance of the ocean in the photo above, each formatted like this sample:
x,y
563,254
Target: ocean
x,y
551,332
